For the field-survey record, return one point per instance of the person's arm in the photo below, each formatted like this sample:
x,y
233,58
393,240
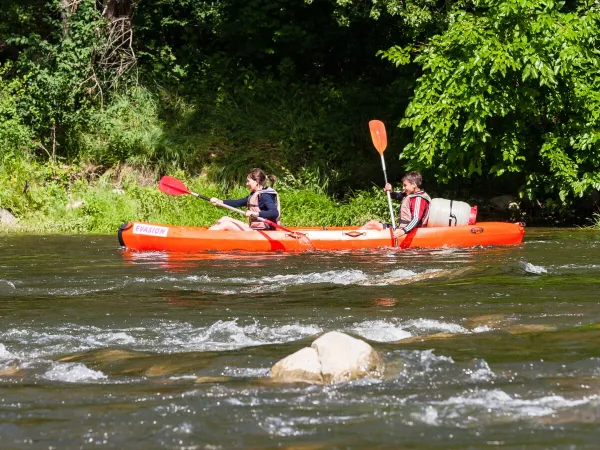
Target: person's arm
x,y
397,195
268,207
241,202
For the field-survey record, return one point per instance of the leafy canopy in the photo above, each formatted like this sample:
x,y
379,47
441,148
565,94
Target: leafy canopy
x,y
510,88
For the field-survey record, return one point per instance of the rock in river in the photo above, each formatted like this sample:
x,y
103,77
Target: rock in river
x,y
333,358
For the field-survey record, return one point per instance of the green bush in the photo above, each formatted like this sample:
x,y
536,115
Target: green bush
x,y
59,199
510,88
16,138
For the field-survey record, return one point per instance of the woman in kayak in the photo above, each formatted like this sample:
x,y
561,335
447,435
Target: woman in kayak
x,y
414,210
262,202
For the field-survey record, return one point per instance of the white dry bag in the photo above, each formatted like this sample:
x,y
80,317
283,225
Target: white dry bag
x,y
450,213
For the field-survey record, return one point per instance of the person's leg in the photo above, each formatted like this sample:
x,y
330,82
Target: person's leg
x,y
372,225
227,223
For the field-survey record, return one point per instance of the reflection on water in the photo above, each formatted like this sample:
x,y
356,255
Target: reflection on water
x,y
488,346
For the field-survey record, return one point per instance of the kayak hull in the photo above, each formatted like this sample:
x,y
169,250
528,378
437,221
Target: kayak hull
x,y
155,237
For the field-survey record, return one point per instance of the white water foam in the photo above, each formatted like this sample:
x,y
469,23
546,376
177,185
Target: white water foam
x,y
76,287
67,338
580,266
9,283
244,372
304,426
156,336
72,373
270,283
481,371
380,331
277,426
241,285
165,336
429,416
533,269
275,283
5,354
396,330
170,279
402,273
428,359
502,403
429,325
228,335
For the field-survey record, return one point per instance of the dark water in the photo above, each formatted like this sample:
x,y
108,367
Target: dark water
x,y
496,347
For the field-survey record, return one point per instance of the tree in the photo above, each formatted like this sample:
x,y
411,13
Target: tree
x,y
510,88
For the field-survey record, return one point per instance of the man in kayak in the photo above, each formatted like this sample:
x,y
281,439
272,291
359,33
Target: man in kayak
x,y
414,209
261,202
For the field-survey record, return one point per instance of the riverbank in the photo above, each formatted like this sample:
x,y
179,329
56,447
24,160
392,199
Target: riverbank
x,y
75,199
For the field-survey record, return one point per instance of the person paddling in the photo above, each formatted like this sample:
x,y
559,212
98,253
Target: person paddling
x,y
414,209
262,202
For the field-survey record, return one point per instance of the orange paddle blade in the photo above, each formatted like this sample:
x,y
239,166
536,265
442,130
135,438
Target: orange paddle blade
x,y
378,135
172,186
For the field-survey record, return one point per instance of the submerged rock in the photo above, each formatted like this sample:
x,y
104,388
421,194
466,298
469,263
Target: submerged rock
x,y
428,337
588,413
333,358
103,355
417,277
133,363
489,320
200,380
523,328
11,371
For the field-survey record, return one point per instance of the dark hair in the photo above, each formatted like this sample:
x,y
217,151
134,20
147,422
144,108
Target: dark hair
x,y
259,176
413,177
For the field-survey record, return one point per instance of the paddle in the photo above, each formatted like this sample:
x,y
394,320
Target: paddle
x,y
174,186
379,138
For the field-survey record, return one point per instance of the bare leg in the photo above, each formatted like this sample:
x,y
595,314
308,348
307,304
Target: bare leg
x,y
227,223
372,225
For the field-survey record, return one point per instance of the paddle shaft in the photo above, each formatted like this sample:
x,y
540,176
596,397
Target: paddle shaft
x,y
389,196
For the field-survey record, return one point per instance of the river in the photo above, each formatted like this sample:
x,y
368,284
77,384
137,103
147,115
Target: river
x,y
101,347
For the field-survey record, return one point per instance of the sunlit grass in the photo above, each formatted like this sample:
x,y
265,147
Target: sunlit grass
x,y
49,200
596,221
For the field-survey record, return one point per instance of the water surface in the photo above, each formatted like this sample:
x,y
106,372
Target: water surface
x,y
101,347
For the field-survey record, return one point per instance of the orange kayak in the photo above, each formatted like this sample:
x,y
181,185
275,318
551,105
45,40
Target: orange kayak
x,y
148,236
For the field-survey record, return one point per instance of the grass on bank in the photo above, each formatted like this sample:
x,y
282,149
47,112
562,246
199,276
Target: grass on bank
x,y
596,221
62,199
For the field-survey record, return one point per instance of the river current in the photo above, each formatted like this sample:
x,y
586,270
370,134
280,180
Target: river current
x,y
484,347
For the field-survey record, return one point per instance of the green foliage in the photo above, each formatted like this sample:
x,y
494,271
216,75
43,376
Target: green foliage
x,y
16,139
414,17
314,180
33,190
60,73
511,88
129,130
269,126
307,208
596,221
59,200
500,93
